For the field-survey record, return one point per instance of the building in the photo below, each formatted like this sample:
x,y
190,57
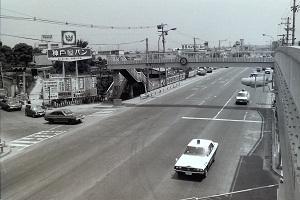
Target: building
x,y
47,43
57,87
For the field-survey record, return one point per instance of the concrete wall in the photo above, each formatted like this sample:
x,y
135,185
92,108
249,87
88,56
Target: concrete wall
x,y
287,82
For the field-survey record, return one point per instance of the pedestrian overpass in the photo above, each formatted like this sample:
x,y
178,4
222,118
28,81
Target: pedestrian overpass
x,y
186,60
286,63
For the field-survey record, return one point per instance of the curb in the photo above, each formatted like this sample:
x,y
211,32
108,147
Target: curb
x,y
5,153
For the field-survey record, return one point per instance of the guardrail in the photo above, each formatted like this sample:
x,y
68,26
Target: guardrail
x,y
156,59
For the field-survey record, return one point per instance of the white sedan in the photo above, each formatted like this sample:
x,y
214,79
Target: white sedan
x,y
242,97
197,158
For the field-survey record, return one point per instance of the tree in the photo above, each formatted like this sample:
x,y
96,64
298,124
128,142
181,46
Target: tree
x,y
81,43
6,54
36,51
22,53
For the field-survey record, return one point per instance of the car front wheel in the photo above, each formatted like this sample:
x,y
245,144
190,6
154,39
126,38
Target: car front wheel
x,y
205,173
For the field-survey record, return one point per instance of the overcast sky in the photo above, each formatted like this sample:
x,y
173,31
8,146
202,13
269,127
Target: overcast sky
x,y
209,20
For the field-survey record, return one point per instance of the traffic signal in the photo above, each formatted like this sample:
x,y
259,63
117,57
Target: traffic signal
x,y
34,72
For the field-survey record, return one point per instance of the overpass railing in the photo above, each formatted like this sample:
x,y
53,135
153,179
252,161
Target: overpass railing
x,y
158,58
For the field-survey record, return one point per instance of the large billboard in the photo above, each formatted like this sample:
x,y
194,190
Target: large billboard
x,y
68,37
69,54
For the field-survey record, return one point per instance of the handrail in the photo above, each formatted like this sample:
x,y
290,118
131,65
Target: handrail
x,y
171,58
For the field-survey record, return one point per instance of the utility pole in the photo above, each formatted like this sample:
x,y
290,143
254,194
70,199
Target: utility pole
x,y
163,33
294,10
147,70
288,28
194,44
287,31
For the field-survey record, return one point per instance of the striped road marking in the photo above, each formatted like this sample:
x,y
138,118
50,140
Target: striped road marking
x,y
103,112
226,120
35,138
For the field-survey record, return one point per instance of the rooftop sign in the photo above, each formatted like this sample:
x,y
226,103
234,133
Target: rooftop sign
x,y
69,54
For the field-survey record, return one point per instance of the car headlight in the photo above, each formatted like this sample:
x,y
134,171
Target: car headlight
x,y
177,167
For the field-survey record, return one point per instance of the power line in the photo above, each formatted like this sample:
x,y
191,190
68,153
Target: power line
x,y
27,38
102,44
122,43
66,23
17,12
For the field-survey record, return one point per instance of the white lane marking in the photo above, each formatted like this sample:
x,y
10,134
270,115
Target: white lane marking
x,y
230,193
235,76
223,106
189,96
226,120
55,127
103,112
245,115
23,142
32,139
202,102
21,145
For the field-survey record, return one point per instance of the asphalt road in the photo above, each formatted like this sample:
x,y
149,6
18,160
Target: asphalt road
x,y
131,155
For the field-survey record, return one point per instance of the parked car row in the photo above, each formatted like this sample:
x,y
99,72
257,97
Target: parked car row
x,y
32,110
203,70
10,104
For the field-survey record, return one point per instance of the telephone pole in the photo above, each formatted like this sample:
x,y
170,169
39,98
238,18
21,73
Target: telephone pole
x,y
294,10
288,28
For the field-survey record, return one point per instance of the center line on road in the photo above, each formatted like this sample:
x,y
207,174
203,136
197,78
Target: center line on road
x,y
223,106
235,76
202,102
245,115
189,96
226,120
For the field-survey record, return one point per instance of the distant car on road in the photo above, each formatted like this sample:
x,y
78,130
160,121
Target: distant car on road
x,y
242,97
197,158
10,104
201,72
63,116
34,110
209,70
258,69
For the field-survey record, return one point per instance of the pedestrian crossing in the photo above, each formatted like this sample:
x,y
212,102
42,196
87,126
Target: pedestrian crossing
x,y
103,112
35,138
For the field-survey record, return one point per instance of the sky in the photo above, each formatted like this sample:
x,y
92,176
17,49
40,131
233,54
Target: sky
x,y
207,20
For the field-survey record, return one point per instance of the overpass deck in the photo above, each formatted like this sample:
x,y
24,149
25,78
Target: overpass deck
x,y
189,60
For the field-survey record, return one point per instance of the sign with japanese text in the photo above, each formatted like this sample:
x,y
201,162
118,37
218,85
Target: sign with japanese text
x,y
69,54
68,37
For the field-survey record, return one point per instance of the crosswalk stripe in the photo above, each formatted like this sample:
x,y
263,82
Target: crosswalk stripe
x,y
32,139
20,145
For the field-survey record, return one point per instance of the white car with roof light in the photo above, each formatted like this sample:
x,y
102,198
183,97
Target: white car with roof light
x,y
197,158
242,97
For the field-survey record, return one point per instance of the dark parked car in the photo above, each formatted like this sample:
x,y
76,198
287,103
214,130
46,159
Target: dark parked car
x,y
34,110
10,104
209,70
63,116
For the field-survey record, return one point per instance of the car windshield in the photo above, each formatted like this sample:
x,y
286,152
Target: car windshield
x,y
68,112
199,151
36,107
241,94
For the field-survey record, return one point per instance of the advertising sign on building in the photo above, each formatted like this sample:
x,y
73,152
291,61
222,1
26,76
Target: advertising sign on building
x,y
69,54
190,46
68,37
47,38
